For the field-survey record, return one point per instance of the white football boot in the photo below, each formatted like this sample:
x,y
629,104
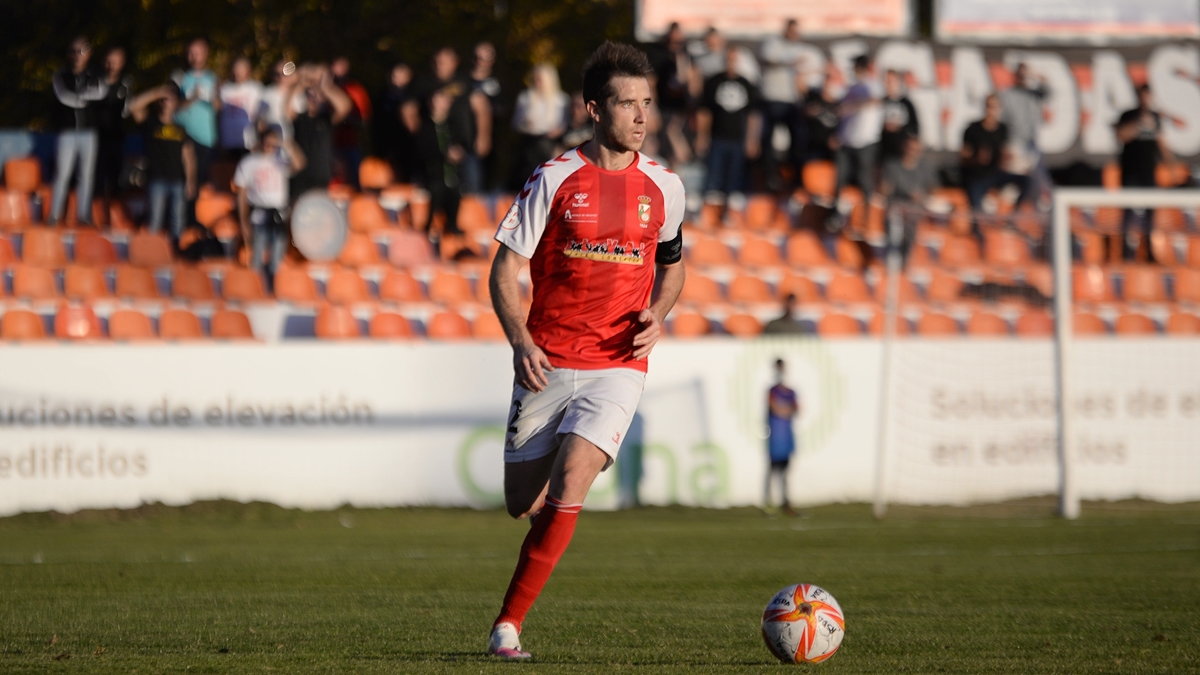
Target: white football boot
x,y
505,642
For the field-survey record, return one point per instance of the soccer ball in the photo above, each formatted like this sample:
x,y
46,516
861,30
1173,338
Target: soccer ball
x,y
803,623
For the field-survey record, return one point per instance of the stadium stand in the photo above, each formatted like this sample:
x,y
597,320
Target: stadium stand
x,y
129,324
179,324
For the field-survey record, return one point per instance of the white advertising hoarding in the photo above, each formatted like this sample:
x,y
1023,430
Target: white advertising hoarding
x,y
1092,22
317,425
759,18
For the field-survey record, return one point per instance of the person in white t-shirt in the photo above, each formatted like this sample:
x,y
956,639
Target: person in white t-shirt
x,y
788,65
241,98
860,130
285,87
261,181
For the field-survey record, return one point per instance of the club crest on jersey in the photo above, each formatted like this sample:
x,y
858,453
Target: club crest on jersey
x,y
644,210
512,217
611,250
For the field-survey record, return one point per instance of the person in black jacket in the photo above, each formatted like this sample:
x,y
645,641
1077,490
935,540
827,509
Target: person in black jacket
x,y
111,112
75,90
899,118
441,145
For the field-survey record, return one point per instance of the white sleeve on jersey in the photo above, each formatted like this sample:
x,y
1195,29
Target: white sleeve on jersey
x,y
676,204
523,225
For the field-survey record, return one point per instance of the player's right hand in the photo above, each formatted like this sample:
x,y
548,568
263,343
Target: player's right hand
x,y
531,365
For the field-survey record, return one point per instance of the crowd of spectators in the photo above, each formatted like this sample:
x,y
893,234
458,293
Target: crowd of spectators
x,y
739,119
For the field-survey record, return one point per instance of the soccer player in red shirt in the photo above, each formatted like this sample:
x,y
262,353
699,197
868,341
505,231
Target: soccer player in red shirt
x,y
600,228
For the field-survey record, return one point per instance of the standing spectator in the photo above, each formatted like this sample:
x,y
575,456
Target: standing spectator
x,y
198,112
326,106
540,117
170,156
261,182
984,147
75,90
786,323
728,129
111,112
241,100
579,126
1023,111
784,86
280,100
347,136
467,107
392,136
708,57
860,129
484,81
821,113
441,143
899,118
1143,147
783,405
672,73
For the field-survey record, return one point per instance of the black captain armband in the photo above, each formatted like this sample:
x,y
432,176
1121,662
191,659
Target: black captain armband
x,y
670,252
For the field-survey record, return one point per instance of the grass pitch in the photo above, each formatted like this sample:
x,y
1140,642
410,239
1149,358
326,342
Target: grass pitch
x,y
231,588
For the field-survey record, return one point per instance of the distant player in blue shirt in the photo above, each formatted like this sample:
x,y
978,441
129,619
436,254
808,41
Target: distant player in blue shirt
x,y
782,407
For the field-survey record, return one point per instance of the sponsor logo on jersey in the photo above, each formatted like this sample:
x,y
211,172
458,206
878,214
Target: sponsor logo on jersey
x,y
581,200
644,211
611,250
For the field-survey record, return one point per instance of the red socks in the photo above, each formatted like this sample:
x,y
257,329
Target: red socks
x,y
544,545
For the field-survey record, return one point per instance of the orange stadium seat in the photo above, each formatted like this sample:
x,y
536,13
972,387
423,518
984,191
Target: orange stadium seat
x,y
756,252
242,284
409,248
1183,323
42,246
1193,252
76,322
876,325
698,288
849,253
212,205
709,251
805,249
847,288
1134,324
292,284
959,250
1144,283
487,326
91,248
22,174
448,326
14,210
988,324
1005,248
1086,323
389,326
1187,285
908,291
84,283
689,324
820,179
359,250
135,282
150,250
7,256
179,324
839,325
450,287
346,287
400,286
745,288
365,214
129,324
474,215
761,212
230,324
806,290
35,283
191,283
743,325
22,324
934,324
336,322
1091,283
1035,323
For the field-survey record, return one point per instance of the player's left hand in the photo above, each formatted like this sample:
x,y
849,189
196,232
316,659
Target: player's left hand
x,y
644,341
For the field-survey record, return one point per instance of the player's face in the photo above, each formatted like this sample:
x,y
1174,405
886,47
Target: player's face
x,y
623,117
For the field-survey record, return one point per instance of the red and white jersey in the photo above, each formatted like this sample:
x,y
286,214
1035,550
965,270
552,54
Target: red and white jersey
x,y
591,236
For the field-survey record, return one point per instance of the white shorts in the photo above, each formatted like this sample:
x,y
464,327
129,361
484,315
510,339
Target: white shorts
x,y
596,405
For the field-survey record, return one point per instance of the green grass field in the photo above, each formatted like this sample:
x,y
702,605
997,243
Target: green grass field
x,y
231,588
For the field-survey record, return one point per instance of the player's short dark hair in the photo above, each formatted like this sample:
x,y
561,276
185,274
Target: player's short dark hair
x,y
862,62
610,60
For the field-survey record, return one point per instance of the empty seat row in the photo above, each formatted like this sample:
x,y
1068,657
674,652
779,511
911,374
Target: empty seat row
x,y
79,322
338,322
